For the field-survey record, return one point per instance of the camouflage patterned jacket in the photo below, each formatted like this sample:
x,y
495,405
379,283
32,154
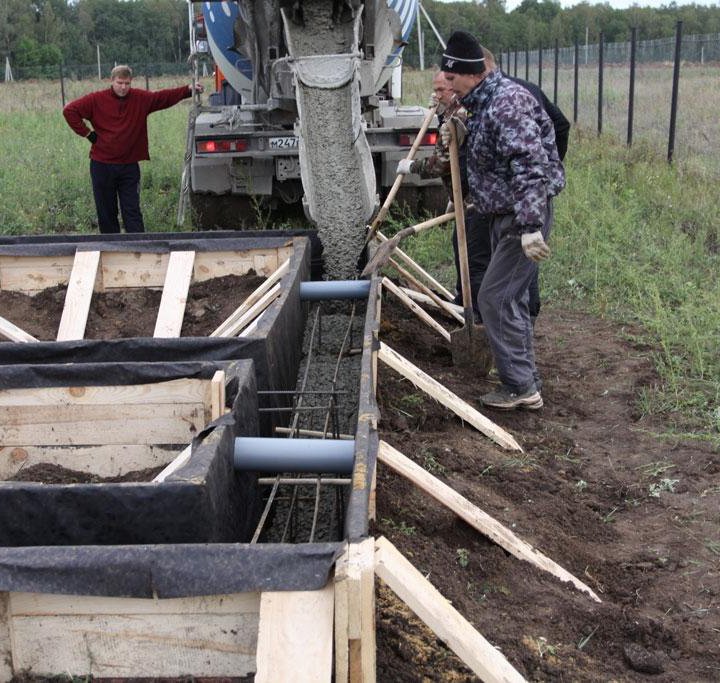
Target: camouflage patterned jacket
x,y
513,164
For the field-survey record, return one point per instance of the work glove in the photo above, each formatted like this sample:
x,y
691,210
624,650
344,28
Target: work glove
x,y
435,102
92,136
404,166
460,130
534,246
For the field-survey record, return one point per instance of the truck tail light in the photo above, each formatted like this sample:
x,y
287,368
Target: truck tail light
x,y
219,145
406,139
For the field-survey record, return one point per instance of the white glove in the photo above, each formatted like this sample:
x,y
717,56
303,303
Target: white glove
x,y
404,166
534,246
433,101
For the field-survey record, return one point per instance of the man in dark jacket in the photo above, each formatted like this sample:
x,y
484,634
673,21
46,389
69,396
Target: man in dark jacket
x,y
119,140
514,171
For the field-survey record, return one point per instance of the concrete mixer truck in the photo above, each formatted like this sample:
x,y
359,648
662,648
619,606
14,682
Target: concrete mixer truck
x,y
304,114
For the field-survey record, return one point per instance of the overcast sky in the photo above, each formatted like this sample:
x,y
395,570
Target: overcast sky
x,y
620,4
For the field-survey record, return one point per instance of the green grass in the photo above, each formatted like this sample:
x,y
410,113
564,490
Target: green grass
x,y
635,239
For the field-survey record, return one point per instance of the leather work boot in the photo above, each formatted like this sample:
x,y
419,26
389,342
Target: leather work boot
x,y
508,399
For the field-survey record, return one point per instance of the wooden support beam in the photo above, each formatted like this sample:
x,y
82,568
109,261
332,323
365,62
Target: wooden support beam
x,y
217,395
450,400
253,312
402,256
446,307
440,616
474,516
295,636
180,461
175,292
13,332
245,306
355,613
407,301
429,301
78,296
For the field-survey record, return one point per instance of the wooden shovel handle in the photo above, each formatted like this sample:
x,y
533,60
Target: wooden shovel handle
x,y
399,178
460,224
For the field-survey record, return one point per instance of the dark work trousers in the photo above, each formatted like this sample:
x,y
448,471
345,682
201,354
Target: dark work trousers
x,y
477,229
504,300
113,183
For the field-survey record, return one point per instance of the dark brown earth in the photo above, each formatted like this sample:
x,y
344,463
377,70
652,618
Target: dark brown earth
x,y
130,312
47,473
600,488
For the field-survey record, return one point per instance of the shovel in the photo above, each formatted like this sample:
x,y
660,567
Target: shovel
x,y
399,179
469,345
384,251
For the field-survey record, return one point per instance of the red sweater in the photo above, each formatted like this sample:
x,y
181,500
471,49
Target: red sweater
x,y
120,122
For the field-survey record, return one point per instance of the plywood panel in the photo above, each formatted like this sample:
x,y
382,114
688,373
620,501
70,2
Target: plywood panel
x,y
31,274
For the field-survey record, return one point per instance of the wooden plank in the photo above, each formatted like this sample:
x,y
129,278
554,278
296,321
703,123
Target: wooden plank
x,y
252,299
183,390
13,332
175,293
474,516
124,638
104,461
6,672
180,461
217,395
78,295
399,254
131,269
407,301
449,309
450,400
355,613
253,312
220,263
32,274
295,636
445,621
64,425
429,301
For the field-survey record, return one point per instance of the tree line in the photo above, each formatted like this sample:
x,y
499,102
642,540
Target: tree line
x,y
47,32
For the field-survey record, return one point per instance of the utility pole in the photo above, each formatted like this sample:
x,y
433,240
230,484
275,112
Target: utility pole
x,y
98,61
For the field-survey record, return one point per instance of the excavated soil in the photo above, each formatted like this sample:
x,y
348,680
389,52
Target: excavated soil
x,y
123,313
47,473
632,514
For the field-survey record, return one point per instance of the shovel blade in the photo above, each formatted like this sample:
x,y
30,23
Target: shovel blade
x,y
471,350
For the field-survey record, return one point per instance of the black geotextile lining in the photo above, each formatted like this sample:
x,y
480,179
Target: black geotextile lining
x,y
275,346
59,245
204,501
167,571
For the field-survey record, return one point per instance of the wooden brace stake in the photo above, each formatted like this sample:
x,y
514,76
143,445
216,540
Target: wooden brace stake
x,y
450,400
474,516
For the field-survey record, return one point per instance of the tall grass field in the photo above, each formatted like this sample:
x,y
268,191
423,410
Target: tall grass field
x,y
635,239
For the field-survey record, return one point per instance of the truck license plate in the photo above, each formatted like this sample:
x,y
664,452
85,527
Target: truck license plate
x,y
290,142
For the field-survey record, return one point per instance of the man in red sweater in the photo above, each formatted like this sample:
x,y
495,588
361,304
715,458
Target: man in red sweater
x,y
119,140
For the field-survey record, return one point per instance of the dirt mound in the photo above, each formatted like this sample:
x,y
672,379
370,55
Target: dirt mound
x,y
631,514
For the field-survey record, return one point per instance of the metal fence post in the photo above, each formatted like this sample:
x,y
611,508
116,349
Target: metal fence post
x,y
575,82
600,82
555,71
631,93
540,51
527,63
515,67
676,82
62,84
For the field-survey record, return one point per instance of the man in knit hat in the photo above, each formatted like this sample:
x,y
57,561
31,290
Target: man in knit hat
x,y
514,171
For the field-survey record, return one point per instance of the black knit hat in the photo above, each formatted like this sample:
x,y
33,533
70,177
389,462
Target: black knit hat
x,y
463,55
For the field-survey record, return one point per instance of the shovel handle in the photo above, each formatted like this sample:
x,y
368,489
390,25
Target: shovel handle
x,y
460,225
399,178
